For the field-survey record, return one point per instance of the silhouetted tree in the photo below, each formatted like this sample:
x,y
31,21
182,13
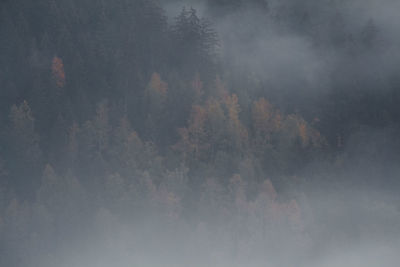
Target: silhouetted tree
x,y
194,44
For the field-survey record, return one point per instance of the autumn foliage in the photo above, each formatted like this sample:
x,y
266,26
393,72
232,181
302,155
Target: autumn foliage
x,y
57,68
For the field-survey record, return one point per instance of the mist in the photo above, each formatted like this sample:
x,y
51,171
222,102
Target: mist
x,y
199,133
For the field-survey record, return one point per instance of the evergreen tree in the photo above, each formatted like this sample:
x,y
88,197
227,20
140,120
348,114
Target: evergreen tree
x,y
25,156
194,44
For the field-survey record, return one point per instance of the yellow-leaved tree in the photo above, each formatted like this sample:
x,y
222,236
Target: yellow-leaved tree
x,y
57,68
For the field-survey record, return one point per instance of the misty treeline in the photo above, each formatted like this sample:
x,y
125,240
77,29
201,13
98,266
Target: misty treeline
x,y
111,113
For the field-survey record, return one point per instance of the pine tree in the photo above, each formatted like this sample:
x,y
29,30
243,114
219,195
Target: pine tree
x,y
25,153
195,43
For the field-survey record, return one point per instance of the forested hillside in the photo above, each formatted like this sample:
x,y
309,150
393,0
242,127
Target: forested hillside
x,y
196,131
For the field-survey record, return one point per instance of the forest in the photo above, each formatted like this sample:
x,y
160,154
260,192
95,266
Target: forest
x,y
199,133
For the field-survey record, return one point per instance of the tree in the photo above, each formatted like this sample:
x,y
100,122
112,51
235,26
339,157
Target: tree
x,y
57,69
94,144
64,198
266,120
237,131
194,43
126,152
72,149
155,101
193,143
197,86
156,93
25,153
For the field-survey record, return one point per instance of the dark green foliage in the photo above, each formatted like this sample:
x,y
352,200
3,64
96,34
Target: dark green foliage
x,y
194,43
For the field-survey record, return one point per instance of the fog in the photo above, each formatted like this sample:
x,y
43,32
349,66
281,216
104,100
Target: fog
x,y
336,233
199,133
